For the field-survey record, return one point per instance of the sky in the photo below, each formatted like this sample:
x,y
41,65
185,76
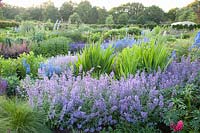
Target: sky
x,y
166,5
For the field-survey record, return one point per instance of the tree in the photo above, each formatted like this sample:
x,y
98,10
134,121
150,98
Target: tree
x,y
171,15
109,20
75,18
1,14
83,9
186,14
152,14
9,12
102,14
123,18
35,13
134,10
66,10
93,15
196,8
50,11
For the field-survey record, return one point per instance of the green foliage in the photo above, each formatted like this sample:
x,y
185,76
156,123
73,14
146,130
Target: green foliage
x,y
52,47
4,24
123,18
109,20
27,27
83,9
121,33
13,82
182,48
172,14
186,14
185,107
96,59
102,14
146,56
39,37
50,11
152,14
66,10
93,15
125,127
32,60
10,67
17,116
75,18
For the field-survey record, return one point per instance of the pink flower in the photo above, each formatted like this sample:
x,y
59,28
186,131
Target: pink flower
x,y
177,127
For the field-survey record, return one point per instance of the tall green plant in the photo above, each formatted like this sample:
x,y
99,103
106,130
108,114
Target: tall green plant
x,y
146,56
96,58
127,61
18,117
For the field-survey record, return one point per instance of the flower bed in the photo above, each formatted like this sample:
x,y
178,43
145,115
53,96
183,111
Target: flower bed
x,y
92,105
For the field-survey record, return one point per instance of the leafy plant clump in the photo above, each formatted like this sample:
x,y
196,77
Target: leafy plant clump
x,y
17,116
94,57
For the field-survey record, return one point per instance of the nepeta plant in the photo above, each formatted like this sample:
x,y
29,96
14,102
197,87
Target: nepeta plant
x,y
90,104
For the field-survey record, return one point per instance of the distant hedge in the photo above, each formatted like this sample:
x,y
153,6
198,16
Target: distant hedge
x,y
4,24
146,26
189,27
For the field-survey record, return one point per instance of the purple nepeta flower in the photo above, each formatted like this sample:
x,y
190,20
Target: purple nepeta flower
x,y
94,103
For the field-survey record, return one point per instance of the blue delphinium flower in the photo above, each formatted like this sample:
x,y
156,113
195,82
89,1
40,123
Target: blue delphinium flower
x,y
173,55
49,69
196,42
3,86
123,43
26,66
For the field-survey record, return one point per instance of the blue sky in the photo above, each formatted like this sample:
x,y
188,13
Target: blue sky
x,y
108,4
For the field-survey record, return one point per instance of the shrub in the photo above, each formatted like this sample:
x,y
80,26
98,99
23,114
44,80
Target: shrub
x,y
74,35
52,47
20,66
186,103
8,67
93,57
17,116
134,31
13,82
27,27
182,48
4,24
39,37
28,64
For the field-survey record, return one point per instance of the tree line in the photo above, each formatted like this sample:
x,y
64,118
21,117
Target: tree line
x,y
84,12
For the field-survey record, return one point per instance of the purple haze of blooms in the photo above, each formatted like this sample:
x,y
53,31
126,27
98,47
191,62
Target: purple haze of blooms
x,y
90,104
75,47
3,86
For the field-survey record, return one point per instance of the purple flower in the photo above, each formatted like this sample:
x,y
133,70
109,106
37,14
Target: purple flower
x,y
3,86
88,103
144,115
